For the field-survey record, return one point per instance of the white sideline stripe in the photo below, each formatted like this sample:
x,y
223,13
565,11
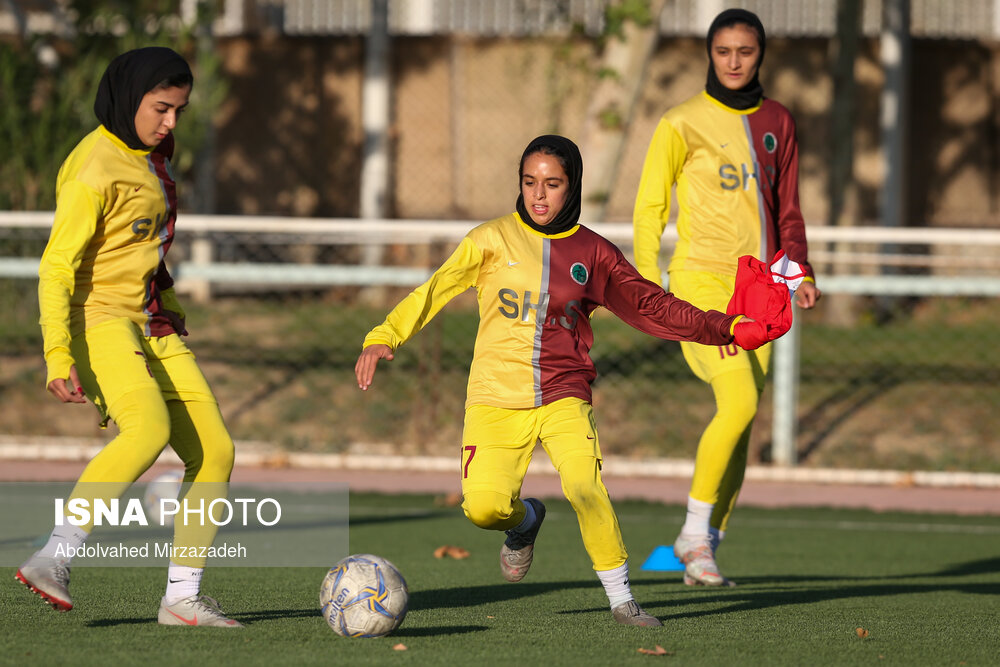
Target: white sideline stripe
x,y
256,454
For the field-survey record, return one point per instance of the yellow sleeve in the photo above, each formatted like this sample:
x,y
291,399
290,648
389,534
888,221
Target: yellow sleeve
x,y
664,161
456,275
77,210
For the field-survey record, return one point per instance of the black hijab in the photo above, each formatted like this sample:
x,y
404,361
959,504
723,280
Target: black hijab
x,y
130,76
750,94
569,156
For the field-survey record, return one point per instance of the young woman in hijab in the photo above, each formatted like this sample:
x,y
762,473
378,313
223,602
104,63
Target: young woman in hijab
x,y
111,324
539,276
733,157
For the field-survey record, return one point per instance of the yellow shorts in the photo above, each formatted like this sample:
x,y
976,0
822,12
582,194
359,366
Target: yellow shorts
x,y
114,358
496,450
497,443
712,291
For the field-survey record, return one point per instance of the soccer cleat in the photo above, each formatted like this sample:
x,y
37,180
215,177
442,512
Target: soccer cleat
x,y
195,610
698,556
49,578
630,613
518,549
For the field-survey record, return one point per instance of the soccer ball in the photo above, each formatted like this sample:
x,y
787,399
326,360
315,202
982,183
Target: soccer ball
x,y
364,596
167,485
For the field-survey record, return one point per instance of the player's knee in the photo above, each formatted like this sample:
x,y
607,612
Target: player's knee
x,y
142,417
739,409
219,458
585,496
488,509
580,477
151,430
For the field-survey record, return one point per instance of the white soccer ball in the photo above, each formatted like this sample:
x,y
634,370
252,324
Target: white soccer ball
x,y
167,485
364,596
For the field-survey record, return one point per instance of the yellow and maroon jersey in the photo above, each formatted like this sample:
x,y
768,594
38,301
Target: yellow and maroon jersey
x,y
536,294
737,182
113,224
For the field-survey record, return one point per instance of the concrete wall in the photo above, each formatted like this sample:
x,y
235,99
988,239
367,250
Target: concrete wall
x,y
289,135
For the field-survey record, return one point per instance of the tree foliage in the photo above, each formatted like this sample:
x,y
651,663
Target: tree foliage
x,y
48,84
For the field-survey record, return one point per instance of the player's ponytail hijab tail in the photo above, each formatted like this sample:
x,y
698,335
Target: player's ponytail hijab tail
x,y
127,79
750,94
569,156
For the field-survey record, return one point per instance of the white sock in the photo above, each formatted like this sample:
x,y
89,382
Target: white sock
x,y
616,584
63,543
528,521
698,514
182,582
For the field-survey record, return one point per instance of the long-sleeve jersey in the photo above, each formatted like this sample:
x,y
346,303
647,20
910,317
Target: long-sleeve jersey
x,y
737,182
114,222
536,294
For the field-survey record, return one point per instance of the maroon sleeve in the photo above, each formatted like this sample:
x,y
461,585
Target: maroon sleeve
x,y
791,226
166,147
647,307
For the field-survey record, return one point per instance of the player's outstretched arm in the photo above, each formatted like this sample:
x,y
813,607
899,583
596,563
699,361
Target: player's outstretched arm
x,y
68,393
364,370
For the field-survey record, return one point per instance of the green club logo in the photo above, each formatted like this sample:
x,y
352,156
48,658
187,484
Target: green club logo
x,y
578,272
770,142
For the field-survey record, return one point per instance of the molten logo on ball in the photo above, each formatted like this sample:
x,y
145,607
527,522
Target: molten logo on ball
x,y
364,596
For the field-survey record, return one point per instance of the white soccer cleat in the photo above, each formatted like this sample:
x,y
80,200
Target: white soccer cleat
x,y
698,555
630,613
195,610
518,549
49,579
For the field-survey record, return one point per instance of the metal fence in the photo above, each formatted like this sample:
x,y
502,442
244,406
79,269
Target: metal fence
x,y
894,370
961,19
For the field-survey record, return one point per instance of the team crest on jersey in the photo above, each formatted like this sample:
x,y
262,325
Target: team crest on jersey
x,y
578,272
770,142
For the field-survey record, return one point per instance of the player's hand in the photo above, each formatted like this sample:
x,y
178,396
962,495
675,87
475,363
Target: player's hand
x,y
71,393
765,305
807,295
365,368
176,321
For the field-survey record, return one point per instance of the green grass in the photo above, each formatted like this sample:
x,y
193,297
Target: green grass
x,y
925,587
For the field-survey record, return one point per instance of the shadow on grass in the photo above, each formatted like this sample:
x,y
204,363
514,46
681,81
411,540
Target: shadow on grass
x,y
804,589
470,596
246,618
984,566
112,622
753,601
439,631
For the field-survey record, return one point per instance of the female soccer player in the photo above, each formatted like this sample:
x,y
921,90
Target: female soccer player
x,y
539,276
111,323
734,158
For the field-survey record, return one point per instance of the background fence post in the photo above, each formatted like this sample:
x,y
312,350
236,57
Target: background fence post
x,y
201,255
786,389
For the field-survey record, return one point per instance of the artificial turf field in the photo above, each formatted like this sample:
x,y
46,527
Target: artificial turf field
x,y
925,589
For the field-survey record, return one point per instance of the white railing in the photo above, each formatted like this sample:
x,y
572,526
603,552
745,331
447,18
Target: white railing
x,y
959,262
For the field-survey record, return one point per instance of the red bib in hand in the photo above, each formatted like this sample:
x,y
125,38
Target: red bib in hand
x,y
759,298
